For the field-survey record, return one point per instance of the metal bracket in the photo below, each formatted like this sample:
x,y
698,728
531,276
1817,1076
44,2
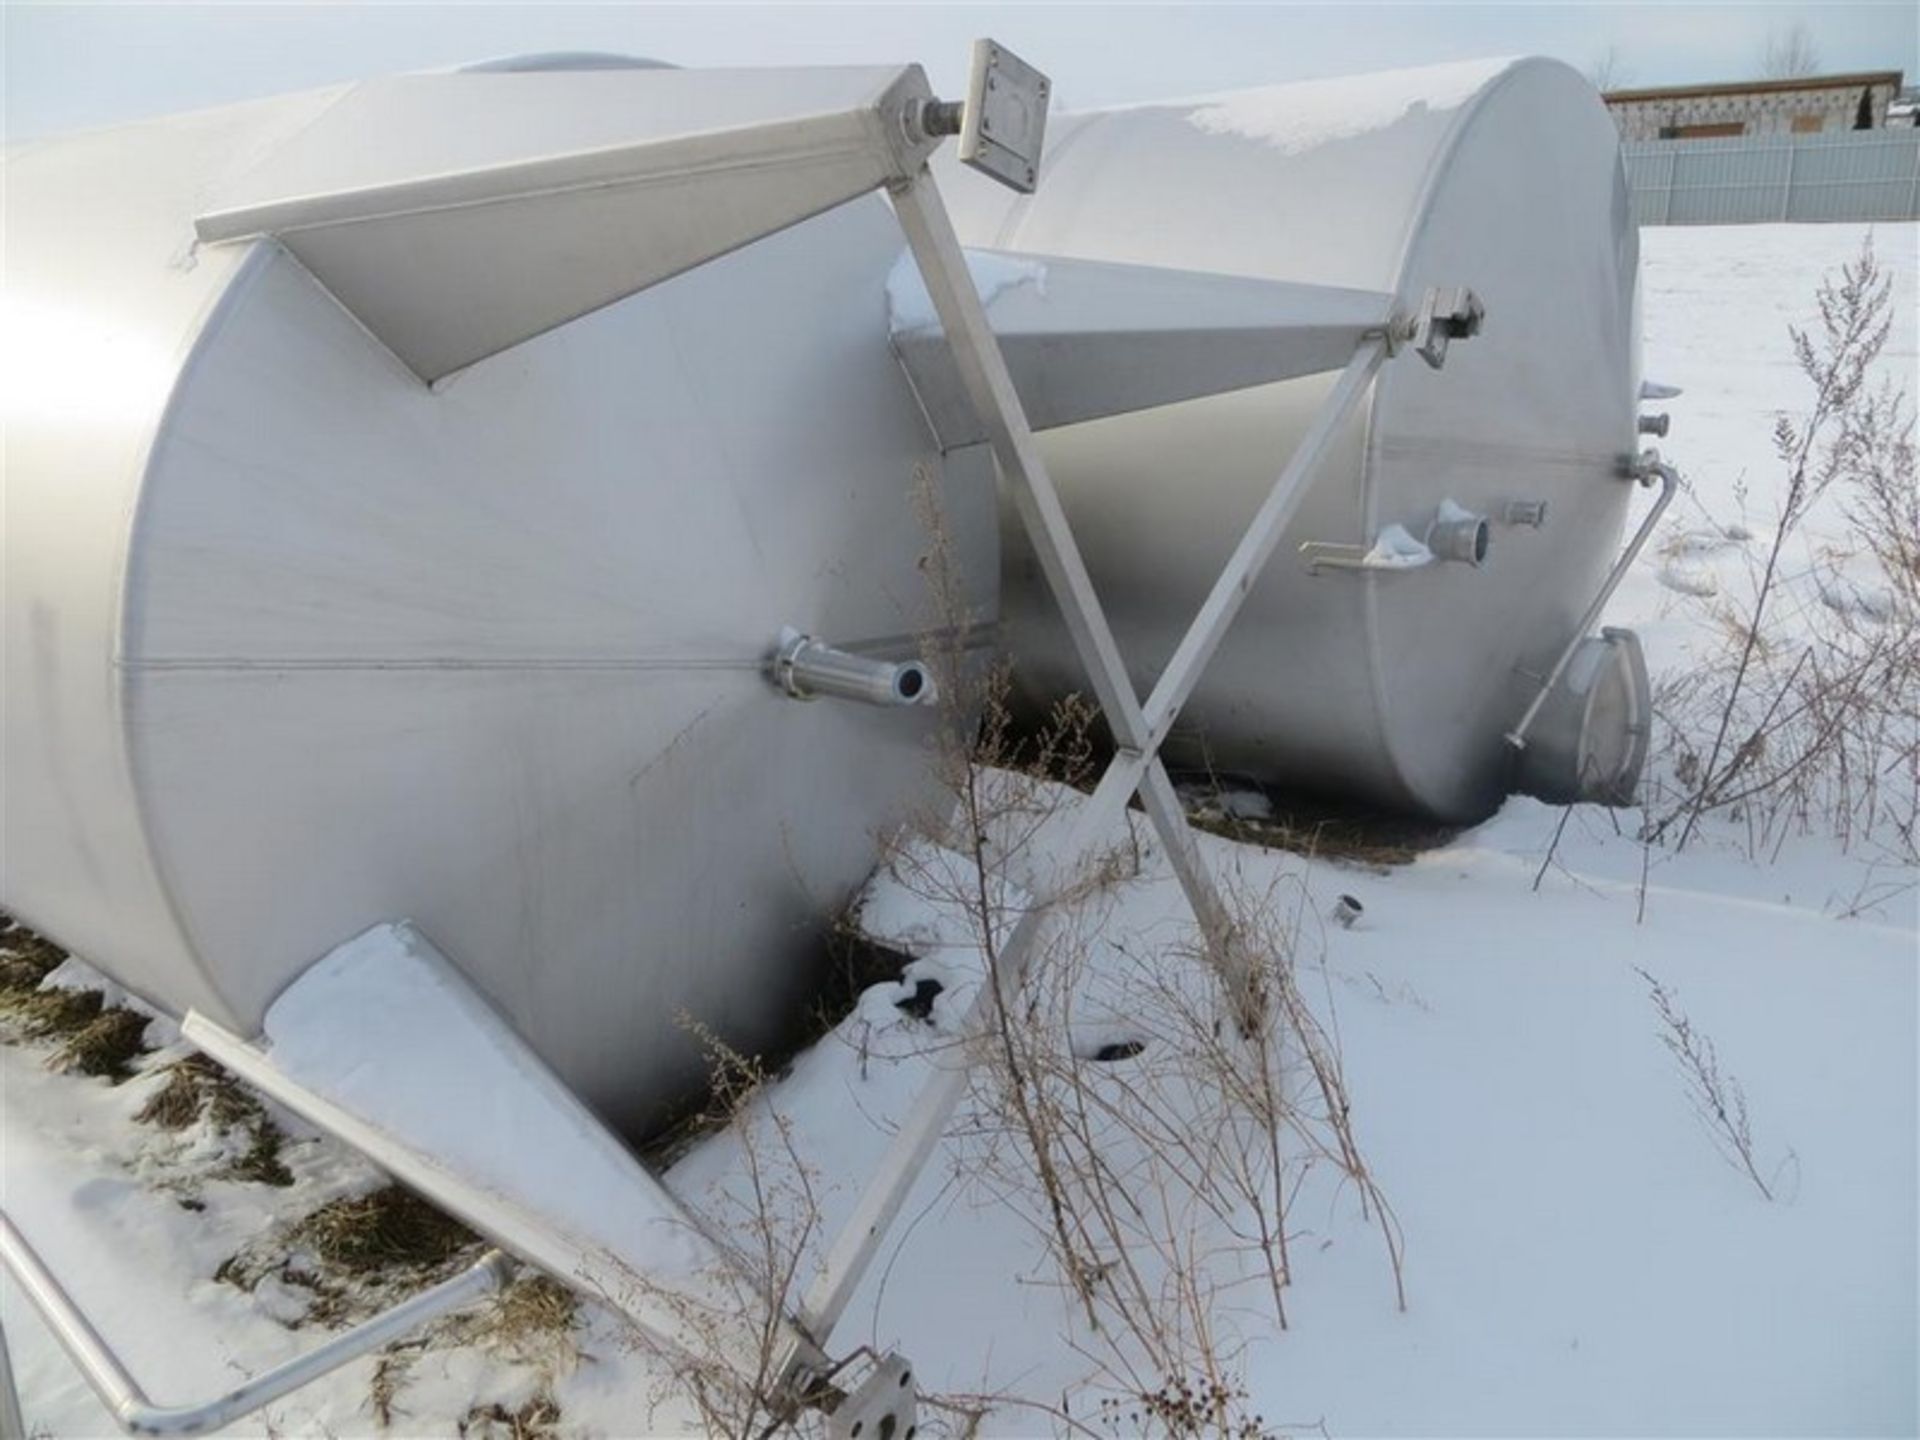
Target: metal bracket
x,y
1331,555
1446,314
1454,534
885,1406
1004,124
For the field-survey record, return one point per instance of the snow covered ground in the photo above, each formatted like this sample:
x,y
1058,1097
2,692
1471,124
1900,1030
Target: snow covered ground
x,y
1580,1258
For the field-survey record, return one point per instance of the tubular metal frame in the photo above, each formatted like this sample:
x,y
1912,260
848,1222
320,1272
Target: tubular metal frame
x,y
138,1415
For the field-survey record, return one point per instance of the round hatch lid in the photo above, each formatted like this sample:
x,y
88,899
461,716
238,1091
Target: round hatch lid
x,y
1589,741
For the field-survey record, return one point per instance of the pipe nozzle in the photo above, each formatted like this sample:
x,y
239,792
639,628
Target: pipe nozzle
x,y
806,668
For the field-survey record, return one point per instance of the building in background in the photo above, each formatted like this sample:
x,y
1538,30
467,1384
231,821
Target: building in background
x,y
1809,105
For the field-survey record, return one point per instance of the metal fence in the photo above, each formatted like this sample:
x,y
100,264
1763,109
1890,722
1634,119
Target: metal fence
x,y
1749,179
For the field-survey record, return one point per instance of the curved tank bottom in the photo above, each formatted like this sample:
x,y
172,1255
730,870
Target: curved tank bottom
x,y
106,295
490,656
1397,686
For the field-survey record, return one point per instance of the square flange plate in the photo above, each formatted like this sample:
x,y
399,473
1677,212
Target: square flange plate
x,y
1006,117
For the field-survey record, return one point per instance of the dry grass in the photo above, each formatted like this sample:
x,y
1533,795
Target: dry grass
x,y
537,1419
40,1014
385,1231
91,1037
106,1045
533,1323
198,1088
1341,831
1717,1097
356,1255
23,948
1804,718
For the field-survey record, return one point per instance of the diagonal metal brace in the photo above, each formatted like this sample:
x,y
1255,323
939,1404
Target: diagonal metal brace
x,y
983,372
1138,730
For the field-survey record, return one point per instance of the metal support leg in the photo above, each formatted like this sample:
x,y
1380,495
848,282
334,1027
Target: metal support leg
x,y
664,1305
1257,544
12,1426
138,1415
1138,731
983,372
923,1125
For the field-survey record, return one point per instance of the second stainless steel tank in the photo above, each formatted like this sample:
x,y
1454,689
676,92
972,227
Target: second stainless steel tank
x,y
1489,496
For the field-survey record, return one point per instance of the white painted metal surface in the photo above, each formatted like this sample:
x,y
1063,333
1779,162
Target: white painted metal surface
x,y
1083,340
457,215
385,1045
1501,176
296,644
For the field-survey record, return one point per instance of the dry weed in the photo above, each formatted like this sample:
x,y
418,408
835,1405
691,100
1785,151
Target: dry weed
x,y
1807,717
1717,1097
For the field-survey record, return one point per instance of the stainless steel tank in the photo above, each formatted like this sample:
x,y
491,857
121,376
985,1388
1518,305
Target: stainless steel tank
x,y
1462,520
295,643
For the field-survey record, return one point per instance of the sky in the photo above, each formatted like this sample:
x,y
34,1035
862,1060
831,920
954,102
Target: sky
x,y
78,65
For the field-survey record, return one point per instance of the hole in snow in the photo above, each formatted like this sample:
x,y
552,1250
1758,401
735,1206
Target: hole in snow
x,y
919,1005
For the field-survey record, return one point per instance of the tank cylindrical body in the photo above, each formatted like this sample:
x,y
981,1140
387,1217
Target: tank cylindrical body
x,y
1395,684
296,644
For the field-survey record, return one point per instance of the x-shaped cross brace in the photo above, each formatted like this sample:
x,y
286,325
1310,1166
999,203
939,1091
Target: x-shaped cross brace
x,y
1138,730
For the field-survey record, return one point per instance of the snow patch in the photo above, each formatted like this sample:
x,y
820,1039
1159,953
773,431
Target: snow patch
x,y
1394,548
1688,580
910,307
1296,118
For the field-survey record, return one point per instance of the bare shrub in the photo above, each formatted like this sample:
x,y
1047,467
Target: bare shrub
x,y
1117,1103
1154,1143
728,1357
1806,718
1174,1145
1717,1096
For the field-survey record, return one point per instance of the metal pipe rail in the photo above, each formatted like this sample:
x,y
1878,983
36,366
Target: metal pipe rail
x,y
1647,468
12,1427
138,1415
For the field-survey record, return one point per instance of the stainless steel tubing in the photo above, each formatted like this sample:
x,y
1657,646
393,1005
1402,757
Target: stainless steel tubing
x,y
806,668
12,1427
138,1415
1464,540
1649,467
